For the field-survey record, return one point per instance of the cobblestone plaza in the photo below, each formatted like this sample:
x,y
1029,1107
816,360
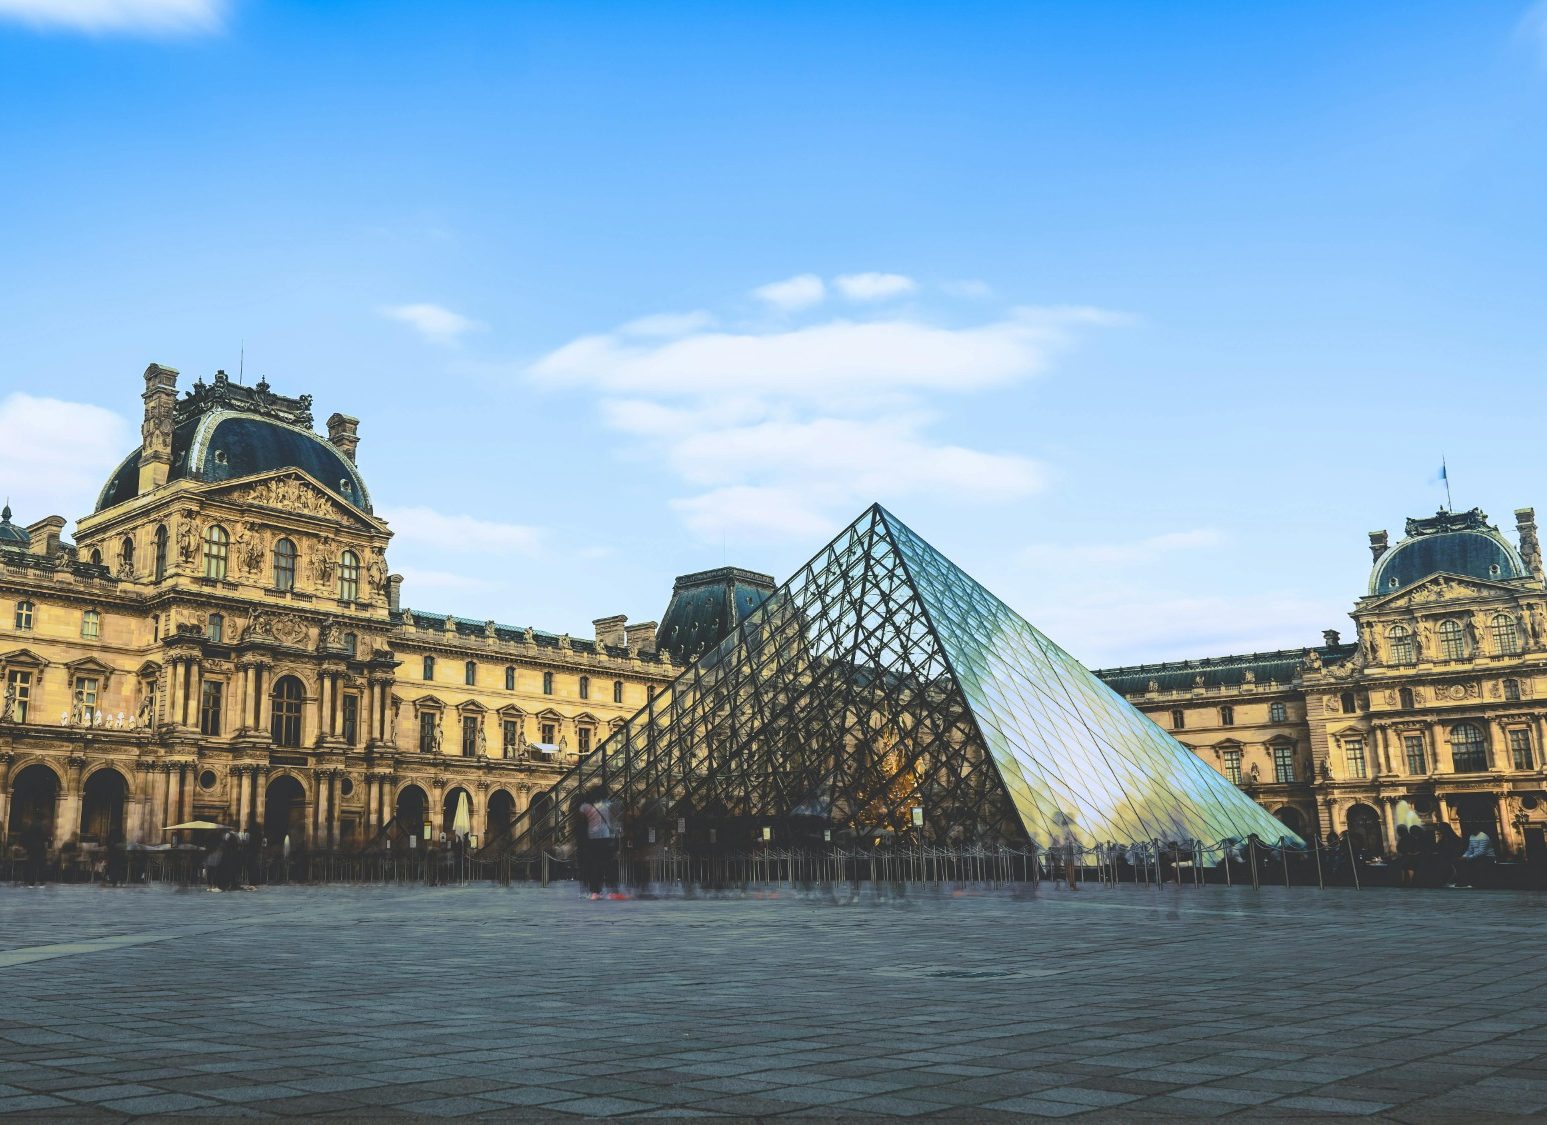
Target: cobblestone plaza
x,y
530,1003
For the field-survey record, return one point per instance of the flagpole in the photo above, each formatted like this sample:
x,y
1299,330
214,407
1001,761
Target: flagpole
x,y
1445,476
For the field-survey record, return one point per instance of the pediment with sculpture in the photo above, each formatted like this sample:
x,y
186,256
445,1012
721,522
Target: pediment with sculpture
x,y
1442,588
295,492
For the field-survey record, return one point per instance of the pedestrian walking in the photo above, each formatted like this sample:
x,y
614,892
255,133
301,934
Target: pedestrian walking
x,y
35,843
599,847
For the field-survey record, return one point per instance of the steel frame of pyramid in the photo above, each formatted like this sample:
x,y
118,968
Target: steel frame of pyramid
x,y
886,693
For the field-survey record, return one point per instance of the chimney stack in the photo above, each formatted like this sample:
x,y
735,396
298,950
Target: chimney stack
x,y
1330,637
641,637
344,434
611,631
1530,549
394,592
156,431
1378,544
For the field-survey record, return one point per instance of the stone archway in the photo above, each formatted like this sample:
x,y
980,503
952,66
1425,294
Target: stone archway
x,y
411,811
102,805
502,810
284,811
34,803
449,809
1292,819
1364,826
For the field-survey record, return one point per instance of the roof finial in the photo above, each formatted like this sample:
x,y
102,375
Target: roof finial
x,y
5,512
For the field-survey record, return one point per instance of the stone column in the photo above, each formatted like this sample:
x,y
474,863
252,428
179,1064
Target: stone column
x,y
1389,822
325,809
324,705
67,822
261,714
6,758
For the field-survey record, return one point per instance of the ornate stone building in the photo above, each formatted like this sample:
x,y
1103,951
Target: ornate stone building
x,y
224,640
1437,713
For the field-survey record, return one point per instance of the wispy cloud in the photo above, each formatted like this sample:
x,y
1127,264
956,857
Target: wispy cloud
x,y
793,293
451,534
874,286
436,324
969,288
119,17
1533,28
415,580
668,324
1136,552
57,454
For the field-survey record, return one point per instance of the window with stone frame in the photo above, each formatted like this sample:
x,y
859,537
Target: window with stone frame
x,y
1283,763
211,698
1417,757
159,565
1404,650
215,628
547,683
585,687
1512,690
617,691
1521,753
1232,760
1452,641
18,682
583,740
1277,713
1405,698
1506,636
91,625
510,678
427,667
217,550
1353,757
1227,716
286,702
550,734
427,721
470,673
470,724
25,610
284,565
508,740
1178,720
350,718
1468,748
348,577
83,694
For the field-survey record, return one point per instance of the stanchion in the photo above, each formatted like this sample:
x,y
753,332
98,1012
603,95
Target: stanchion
x,y
1251,854
1320,882
1353,859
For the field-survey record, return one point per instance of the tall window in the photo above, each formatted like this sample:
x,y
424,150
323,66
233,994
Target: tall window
x,y
510,679
286,724
1233,766
1353,755
583,740
1506,638
284,565
1405,698
1178,719
1520,749
426,732
1412,749
217,547
550,733
351,719
508,738
547,683
1403,650
86,688
216,628
24,612
91,624
585,687
470,736
1349,705
1277,713
126,556
1452,641
617,691
352,644
160,568
429,668
1468,748
349,577
19,685
1512,690
470,673
211,695
1283,764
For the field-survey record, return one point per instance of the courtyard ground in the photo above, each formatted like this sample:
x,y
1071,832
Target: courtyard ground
x,y
526,1002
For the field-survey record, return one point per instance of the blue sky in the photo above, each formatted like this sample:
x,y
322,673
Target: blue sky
x,y
1143,313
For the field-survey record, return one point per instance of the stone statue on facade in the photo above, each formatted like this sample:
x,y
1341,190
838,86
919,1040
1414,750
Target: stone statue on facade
x,y
435,740
1312,660
8,705
482,743
186,537
147,713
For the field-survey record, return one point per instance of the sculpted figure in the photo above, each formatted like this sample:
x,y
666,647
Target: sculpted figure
x,y
8,706
186,538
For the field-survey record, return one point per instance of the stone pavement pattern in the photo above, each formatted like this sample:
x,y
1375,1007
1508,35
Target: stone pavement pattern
x,y
1128,1002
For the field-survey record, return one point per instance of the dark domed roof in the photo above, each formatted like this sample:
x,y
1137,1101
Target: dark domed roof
x,y
1447,543
10,534
227,432
706,606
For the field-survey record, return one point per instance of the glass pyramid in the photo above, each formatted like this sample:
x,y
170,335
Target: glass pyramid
x,y
884,691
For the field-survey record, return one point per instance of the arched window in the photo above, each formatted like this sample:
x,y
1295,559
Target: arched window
x,y
617,691
161,552
91,624
547,683
585,687
1405,696
217,546
286,725
1452,641
1277,713
1178,720
348,577
1347,702
470,673
1506,638
216,628
510,679
1227,716
429,668
126,557
24,612
1468,748
96,557
1403,650
284,565
1512,690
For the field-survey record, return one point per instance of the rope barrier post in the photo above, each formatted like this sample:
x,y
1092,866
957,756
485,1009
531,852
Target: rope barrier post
x,y
1353,859
1251,851
1283,850
1225,859
1320,882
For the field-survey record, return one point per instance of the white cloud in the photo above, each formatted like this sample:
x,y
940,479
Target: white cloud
x,y
668,324
968,287
1533,28
436,324
56,456
1121,554
131,17
792,293
874,286
755,512
415,580
452,533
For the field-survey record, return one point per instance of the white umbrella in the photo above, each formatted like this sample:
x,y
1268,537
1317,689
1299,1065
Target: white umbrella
x,y
462,822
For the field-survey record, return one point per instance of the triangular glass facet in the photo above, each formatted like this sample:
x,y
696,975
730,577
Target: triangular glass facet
x,y
884,692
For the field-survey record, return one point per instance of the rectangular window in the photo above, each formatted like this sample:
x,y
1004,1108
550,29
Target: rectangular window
x,y
24,615
550,733
617,691
211,695
351,719
547,683
583,739
84,699
1227,716
510,679
1353,754
508,737
470,736
1233,766
426,732
1283,764
1520,749
91,624
470,673
1412,749
18,685
1277,713
429,668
